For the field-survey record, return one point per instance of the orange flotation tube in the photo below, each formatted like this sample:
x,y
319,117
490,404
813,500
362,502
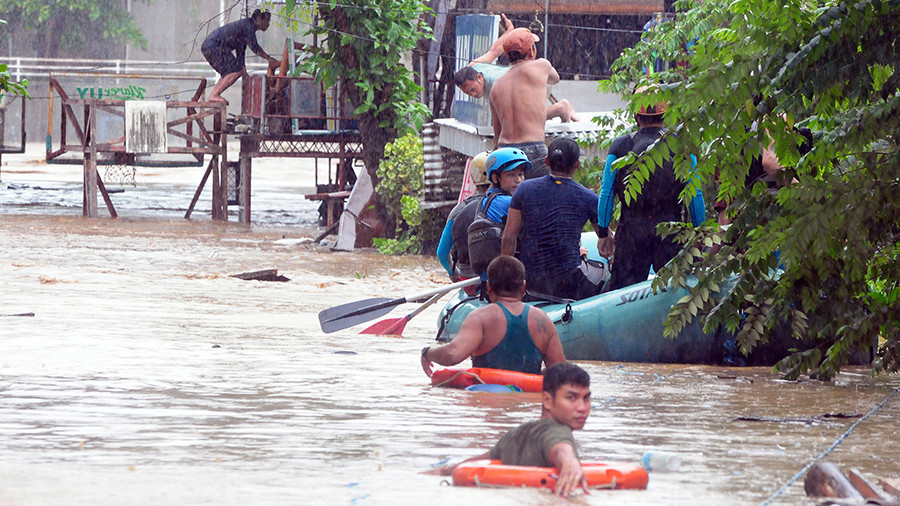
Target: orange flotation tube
x,y
462,378
619,475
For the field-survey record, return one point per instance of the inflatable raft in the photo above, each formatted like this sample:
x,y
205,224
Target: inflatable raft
x,y
465,378
626,325
619,475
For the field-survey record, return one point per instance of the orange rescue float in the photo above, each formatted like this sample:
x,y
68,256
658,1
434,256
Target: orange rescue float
x,y
618,475
462,378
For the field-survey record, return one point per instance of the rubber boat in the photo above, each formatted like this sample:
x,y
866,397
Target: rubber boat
x,y
626,325
465,378
618,475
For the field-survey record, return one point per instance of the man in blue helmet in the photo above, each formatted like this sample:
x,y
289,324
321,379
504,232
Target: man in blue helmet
x,y
505,169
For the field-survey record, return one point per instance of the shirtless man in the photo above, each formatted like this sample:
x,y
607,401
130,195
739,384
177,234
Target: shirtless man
x,y
518,100
477,79
507,334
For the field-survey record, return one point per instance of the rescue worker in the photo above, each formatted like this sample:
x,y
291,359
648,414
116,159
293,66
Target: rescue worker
x,y
637,246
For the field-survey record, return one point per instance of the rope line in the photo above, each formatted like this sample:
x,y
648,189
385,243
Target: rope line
x,y
830,448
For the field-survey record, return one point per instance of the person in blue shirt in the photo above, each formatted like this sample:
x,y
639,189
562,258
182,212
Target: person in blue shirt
x,y
506,170
546,217
224,50
637,246
453,248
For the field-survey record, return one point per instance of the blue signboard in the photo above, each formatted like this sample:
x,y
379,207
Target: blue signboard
x,y
474,35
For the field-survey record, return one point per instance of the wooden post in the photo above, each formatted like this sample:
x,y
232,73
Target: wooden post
x,y
89,200
244,195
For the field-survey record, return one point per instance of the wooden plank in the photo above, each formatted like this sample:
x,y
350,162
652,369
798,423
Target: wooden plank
x,y
863,485
890,485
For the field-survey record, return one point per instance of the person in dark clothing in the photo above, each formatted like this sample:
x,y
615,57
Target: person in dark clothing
x,y
506,334
637,246
548,442
548,214
224,50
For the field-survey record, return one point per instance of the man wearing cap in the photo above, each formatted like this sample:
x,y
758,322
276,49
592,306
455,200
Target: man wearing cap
x,y
637,246
477,79
518,99
453,249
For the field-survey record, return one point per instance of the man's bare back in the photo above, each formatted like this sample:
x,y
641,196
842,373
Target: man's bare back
x,y
518,102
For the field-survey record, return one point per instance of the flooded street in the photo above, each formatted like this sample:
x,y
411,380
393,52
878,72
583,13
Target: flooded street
x,y
149,375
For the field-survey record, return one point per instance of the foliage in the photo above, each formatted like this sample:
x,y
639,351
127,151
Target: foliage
x,y
362,43
401,181
66,27
7,84
821,253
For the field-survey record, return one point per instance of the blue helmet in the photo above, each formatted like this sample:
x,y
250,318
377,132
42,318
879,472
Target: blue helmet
x,y
505,159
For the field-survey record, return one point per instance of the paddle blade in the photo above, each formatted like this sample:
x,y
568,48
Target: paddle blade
x,y
388,327
353,313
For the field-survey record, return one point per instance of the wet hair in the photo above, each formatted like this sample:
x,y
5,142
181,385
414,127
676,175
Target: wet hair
x,y
260,14
563,155
564,373
465,74
506,275
515,56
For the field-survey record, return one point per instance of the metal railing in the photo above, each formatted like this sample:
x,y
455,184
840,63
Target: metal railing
x,y
22,67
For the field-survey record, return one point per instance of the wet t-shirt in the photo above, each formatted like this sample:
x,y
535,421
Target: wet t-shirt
x,y
530,443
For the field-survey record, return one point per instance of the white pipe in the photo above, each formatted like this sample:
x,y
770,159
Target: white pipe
x,y
546,26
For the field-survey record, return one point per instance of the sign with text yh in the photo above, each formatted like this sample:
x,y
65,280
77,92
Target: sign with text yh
x,y
474,35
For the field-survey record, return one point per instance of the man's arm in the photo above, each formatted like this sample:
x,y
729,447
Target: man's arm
x,y
510,233
546,332
448,469
445,246
571,475
496,48
460,348
552,74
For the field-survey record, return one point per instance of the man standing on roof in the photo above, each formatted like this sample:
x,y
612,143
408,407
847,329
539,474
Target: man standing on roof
x,y
548,442
477,79
453,248
506,334
550,212
224,50
518,99
637,245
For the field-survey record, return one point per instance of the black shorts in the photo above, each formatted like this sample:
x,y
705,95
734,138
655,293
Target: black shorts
x,y
224,62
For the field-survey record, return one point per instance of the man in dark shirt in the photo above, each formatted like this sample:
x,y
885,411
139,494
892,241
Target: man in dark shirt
x,y
548,442
546,217
637,246
224,50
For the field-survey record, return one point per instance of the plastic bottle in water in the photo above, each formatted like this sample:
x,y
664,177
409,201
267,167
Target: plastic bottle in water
x,y
660,461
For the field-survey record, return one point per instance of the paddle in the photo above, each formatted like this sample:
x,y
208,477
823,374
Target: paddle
x,y
395,326
352,313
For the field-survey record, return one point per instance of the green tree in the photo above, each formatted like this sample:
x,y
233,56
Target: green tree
x,y
362,44
745,73
7,84
65,27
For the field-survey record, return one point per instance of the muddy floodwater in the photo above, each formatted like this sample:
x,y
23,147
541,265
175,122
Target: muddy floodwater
x,y
149,375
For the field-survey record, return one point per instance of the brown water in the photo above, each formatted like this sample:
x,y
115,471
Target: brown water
x,y
149,376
